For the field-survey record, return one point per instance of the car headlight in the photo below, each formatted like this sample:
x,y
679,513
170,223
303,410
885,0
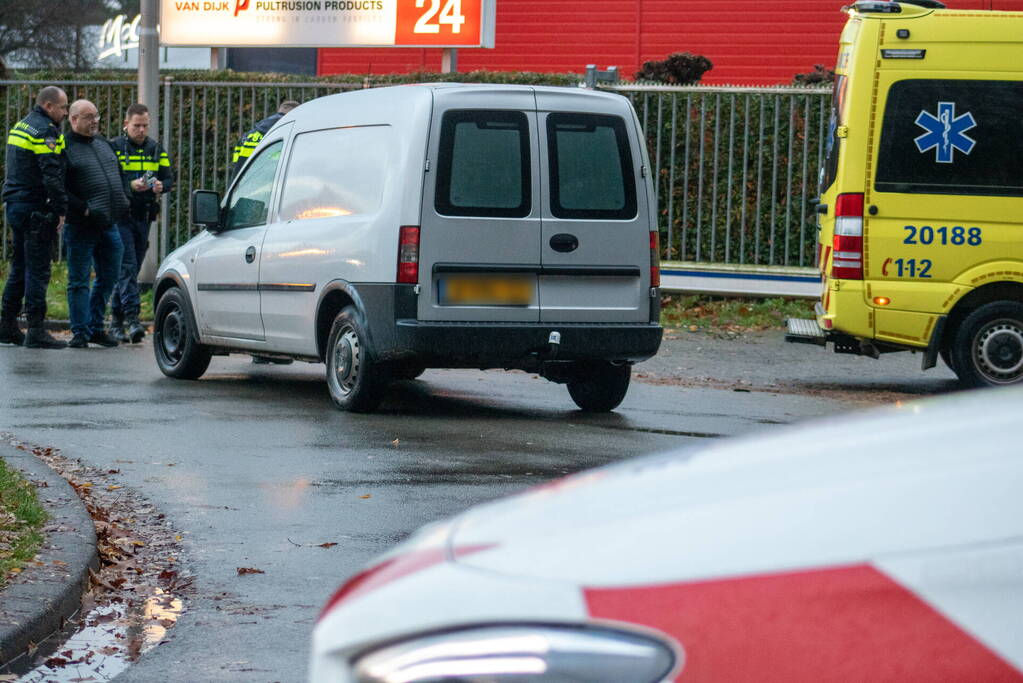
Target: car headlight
x,y
520,653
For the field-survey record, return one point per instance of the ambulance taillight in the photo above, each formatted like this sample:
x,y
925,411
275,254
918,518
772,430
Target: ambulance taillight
x,y
847,255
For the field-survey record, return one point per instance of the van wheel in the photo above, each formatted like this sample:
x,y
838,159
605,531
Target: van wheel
x,y
178,353
988,346
355,381
599,387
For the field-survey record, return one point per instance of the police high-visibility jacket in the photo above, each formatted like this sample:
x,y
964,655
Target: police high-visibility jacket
x,y
36,164
137,160
247,145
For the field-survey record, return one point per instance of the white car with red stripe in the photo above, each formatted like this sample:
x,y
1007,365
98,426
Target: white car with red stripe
x,y
884,547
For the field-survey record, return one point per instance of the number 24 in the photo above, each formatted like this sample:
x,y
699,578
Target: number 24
x,y
450,14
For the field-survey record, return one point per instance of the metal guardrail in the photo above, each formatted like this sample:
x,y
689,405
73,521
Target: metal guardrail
x,y
734,168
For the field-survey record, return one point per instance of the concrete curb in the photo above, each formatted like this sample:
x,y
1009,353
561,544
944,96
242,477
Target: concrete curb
x,y
36,603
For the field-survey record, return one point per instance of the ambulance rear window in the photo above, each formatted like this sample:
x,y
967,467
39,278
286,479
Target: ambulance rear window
x,y
961,137
829,170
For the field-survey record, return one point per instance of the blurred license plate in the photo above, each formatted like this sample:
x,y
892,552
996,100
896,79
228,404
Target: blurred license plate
x,y
485,291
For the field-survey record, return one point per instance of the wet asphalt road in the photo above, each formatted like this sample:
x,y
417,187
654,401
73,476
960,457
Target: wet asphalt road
x,y
252,460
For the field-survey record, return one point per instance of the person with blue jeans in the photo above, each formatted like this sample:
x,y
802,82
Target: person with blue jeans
x,y
36,205
146,171
96,200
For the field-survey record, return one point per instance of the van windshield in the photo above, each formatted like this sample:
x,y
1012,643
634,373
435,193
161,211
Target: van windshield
x,y
829,169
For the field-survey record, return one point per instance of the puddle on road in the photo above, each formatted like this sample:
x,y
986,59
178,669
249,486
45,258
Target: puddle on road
x,y
108,639
135,596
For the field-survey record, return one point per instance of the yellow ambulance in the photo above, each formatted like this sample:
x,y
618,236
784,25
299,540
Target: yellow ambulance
x,y
921,191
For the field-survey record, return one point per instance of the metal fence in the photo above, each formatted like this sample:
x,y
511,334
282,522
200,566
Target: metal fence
x,y
733,167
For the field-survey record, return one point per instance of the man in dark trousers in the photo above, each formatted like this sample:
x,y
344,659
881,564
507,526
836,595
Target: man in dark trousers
x,y
36,206
96,200
247,145
146,170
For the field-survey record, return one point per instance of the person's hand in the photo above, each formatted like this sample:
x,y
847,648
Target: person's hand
x,y
138,185
157,187
60,224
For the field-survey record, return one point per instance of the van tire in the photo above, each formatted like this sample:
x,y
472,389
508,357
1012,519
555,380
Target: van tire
x,y
988,345
355,381
178,351
599,387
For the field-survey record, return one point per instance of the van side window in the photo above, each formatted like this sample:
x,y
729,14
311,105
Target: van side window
x,y
483,165
336,172
590,167
960,137
249,202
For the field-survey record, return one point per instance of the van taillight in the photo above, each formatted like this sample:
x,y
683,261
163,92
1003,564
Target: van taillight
x,y
847,255
408,254
655,259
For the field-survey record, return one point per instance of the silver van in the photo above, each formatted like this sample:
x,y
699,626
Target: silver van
x,y
390,230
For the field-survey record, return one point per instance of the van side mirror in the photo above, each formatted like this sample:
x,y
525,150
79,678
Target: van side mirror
x,y
206,209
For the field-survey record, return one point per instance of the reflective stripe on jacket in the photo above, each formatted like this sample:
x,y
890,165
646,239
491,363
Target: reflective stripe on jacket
x,y
135,161
247,145
36,163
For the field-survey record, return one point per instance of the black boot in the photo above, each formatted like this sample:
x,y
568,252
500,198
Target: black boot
x,y
135,329
103,339
117,330
38,338
10,333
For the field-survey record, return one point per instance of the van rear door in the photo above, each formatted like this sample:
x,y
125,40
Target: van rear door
x,y
596,222
479,256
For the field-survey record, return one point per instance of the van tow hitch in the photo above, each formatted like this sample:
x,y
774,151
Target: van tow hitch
x,y
553,345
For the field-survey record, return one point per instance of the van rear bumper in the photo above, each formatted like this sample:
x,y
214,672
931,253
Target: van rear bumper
x,y
521,345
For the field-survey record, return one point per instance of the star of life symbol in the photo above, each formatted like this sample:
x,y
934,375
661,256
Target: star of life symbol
x,y
946,132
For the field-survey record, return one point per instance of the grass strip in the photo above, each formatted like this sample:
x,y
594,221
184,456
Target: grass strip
x,y
21,522
56,293
701,312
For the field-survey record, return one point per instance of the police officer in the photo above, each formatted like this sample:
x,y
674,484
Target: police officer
x,y
247,145
146,170
36,205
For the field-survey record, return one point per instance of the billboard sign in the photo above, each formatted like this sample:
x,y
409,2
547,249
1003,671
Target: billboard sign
x,y
327,23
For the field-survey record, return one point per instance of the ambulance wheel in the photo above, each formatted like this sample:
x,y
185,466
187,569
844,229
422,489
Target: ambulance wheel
x,y
988,346
599,387
356,382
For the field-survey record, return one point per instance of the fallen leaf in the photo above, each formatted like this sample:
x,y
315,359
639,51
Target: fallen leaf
x,y
326,545
366,496
249,570
113,487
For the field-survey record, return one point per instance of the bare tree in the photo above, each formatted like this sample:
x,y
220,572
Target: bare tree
x,y
52,34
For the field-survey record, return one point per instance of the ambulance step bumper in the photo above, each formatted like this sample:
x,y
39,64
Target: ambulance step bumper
x,y
803,331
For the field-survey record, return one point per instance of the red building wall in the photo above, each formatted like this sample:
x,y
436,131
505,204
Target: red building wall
x,y
750,42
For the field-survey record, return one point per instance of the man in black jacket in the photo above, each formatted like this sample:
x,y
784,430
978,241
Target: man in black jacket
x,y
247,145
146,170
96,199
36,206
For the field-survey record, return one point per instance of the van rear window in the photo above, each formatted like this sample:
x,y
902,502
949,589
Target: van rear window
x,y
483,169
943,136
591,167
